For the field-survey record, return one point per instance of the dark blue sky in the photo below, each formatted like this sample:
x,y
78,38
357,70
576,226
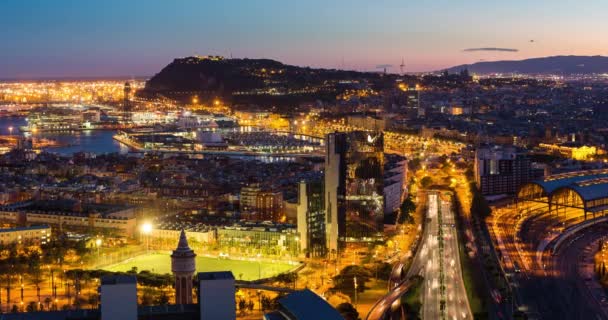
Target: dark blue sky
x,y
54,38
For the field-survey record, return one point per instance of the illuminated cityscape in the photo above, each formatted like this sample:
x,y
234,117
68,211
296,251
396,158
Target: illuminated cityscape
x,y
303,161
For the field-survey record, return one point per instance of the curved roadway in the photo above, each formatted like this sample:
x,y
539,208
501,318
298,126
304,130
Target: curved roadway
x,y
574,295
556,290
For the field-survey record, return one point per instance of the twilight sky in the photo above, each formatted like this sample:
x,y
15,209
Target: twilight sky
x,y
62,38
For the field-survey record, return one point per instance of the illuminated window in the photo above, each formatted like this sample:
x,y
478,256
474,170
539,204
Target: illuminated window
x,y
494,167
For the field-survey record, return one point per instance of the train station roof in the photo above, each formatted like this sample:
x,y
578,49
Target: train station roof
x,y
589,184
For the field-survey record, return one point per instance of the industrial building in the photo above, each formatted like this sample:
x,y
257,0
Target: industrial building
x,y
572,195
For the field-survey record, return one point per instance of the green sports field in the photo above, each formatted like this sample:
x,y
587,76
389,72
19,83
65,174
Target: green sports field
x,y
161,263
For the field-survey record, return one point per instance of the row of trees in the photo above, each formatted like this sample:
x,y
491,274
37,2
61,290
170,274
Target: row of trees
x,y
56,251
144,277
479,206
345,280
408,208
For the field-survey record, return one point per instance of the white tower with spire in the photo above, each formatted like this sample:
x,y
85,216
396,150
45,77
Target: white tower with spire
x,y
183,266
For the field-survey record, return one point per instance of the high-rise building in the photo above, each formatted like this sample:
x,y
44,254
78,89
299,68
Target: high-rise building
x,y
412,102
405,99
249,194
216,295
262,204
502,169
269,206
183,266
311,218
126,104
354,172
395,171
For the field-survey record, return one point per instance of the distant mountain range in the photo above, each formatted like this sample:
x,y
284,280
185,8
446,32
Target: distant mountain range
x,y
562,65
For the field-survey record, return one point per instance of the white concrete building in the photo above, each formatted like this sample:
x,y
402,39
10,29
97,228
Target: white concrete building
x,y
395,173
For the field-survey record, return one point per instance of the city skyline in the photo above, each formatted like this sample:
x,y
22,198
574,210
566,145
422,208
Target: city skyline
x,y
110,39
279,160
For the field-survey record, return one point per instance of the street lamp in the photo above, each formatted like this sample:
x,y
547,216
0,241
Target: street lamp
x,y
356,286
297,245
259,293
98,244
146,229
259,255
10,130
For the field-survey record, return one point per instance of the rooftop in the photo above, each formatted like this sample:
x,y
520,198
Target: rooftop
x,y
589,184
305,304
215,275
65,207
118,279
41,227
168,312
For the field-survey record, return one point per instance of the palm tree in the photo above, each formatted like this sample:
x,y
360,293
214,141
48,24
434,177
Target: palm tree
x,y
348,311
31,306
86,277
93,300
47,302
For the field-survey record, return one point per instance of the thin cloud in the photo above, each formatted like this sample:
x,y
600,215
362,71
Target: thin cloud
x,y
491,49
382,66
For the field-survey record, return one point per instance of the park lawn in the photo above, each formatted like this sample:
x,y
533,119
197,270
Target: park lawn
x,y
242,270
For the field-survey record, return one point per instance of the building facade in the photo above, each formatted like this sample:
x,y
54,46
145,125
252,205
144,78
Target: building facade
x,y
249,195
262,204
395,172
216,295
196,233
118,296
269,206
254,238
25,235
311,218
502,169
118,218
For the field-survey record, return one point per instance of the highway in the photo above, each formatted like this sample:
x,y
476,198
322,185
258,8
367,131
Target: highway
x,y
457,302
431,272
442,260
397,285
430,261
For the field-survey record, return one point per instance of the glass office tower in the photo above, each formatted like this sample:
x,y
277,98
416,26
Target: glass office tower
x,y
354,170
